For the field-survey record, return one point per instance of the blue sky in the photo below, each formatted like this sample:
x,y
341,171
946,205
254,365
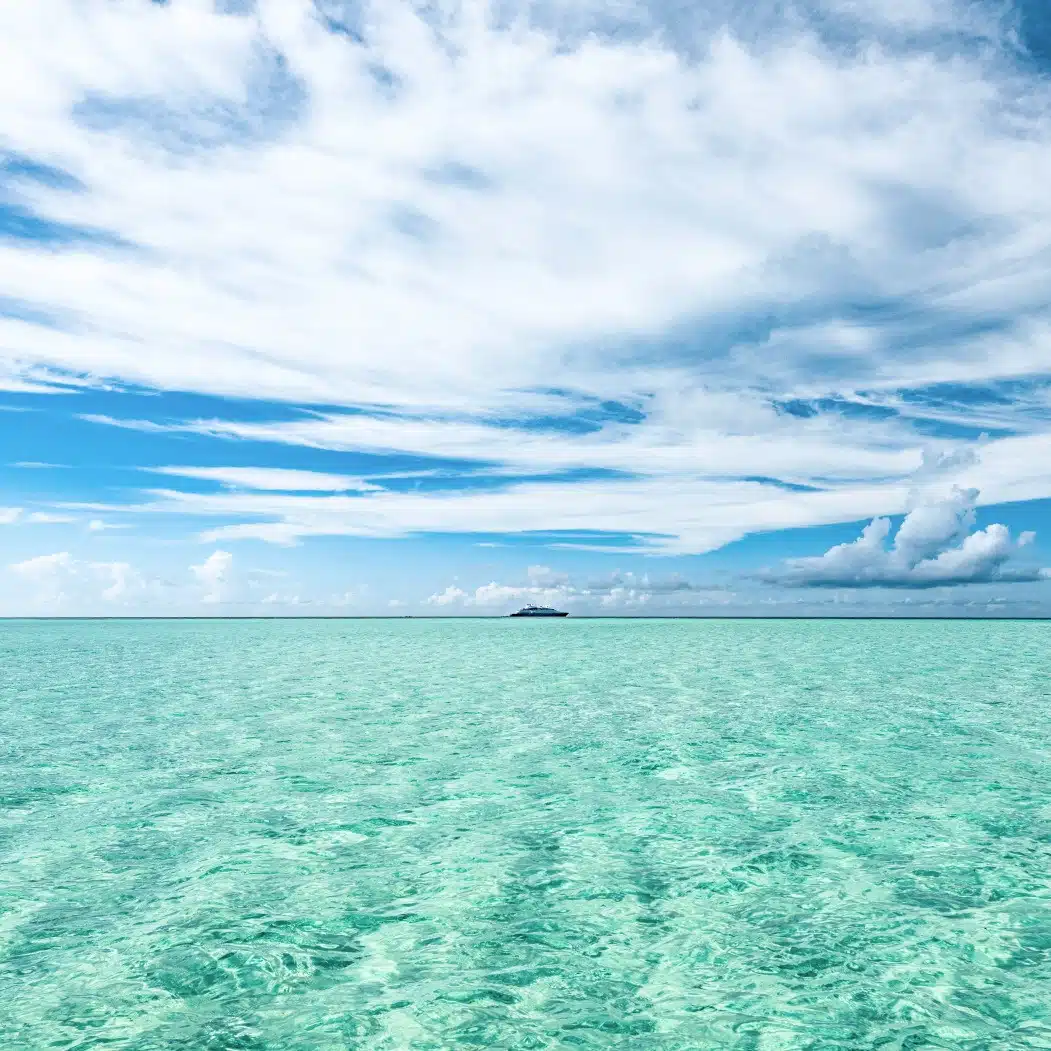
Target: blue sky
x,y
319,306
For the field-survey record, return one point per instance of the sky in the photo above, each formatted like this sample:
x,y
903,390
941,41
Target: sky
x,y
323,307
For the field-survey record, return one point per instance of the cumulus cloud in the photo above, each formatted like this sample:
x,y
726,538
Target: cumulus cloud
x,y
933,547
214,576
65,583
627,598
43,566
622,591
451,596
494,595
545,576
123,579
59,579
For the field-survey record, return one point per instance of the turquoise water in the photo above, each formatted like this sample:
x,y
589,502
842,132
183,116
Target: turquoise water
x,y
504,834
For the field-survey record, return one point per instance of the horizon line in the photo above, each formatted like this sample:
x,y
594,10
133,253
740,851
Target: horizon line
x,y
507,616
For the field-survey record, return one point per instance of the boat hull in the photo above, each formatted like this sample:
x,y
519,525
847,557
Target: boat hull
x,y
540,615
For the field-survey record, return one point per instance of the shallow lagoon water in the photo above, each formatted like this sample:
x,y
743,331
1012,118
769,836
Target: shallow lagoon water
x,y
504,834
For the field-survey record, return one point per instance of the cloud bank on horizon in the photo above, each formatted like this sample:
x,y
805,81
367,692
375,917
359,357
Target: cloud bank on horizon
x,y
637,279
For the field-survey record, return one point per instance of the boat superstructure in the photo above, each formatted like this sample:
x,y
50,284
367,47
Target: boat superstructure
x,y
539,611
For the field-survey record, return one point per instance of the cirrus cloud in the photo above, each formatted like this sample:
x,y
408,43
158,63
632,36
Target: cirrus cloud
x,y
270,478
372,217
718,255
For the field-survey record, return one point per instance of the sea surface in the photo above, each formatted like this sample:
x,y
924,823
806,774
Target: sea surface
x,y
525,834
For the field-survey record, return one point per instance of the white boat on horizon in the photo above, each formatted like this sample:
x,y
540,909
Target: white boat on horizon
x,y
539,611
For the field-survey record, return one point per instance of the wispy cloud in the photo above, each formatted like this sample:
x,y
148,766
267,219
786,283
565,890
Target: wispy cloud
x,y
98,525
19,516
660,513
735,166
270,478
701,480
747,245
48,518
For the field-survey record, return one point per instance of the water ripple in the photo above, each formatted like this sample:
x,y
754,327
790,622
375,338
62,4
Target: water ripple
x,y
342,836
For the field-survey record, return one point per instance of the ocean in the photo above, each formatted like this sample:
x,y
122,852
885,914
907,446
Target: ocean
x,y
424,834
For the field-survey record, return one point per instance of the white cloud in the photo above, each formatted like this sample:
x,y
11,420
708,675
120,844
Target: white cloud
x,y
663,513
710,168
19,516
276,598
270,478
343,599
691,515
123,579
48,518
619,592
691,489
43,566
545,576
689,432
494,595
343,256
64,583
625,598
451,596
681,218
59,580
214,576
933,547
